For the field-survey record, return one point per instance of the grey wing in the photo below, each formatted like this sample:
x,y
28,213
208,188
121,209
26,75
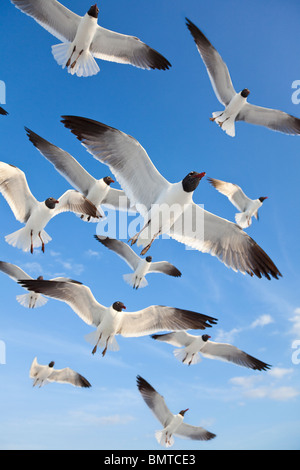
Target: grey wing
x,y
126,158
68,375
209,233
155,401
118,199
216,67
64,163
73,201
230,353
15,189
51,15
13,271
160,318
122,249
35,368
78,296
196,433
272,118
234,193
176,338
116,47
164,267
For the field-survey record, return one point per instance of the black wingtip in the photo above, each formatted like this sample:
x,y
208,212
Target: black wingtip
x,y
3,112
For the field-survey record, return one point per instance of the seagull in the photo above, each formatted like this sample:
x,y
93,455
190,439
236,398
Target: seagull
x,y
111,321
172,424
83,39
195,345
3,112
34,214
140,266
96,191
30,300
169,207
42,375
236,106
248,207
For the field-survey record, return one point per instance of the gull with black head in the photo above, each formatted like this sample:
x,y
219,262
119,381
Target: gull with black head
x,y
112,321
34,214
168,208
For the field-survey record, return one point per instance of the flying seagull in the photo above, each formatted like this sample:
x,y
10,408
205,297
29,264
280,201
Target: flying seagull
x,y
140,266
3,112
30,300
42,375
97,191
166,207
111,321
236,106
172,424
34,214
193,346
83,39
247,207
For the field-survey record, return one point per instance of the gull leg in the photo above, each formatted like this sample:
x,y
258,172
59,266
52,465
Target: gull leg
x,y
96,345
136,236
69,61
43,244
31,244
148,246
105,349
212,119
74,63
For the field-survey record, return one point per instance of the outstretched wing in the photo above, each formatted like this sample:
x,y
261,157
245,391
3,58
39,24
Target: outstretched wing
x,y
51,15
155,401
273,118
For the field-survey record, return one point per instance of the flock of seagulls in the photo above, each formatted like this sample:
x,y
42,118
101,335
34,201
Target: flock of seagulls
x,y
145,191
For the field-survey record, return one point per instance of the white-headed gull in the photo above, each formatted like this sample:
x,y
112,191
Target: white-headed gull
x,y
3,112
34,214
166,207
97,191
247,207
236,106
83,39
43,374
193,346
140,266
111,321
32,299
172,424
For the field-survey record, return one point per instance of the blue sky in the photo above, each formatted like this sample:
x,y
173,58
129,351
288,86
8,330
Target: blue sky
x,y
168,113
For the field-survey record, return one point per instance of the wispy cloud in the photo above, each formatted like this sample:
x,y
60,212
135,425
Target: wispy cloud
x,y
295,320
228,336
267,385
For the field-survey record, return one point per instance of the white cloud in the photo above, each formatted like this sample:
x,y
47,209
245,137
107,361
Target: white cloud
x,y
263,320
228,336
296,323
279,372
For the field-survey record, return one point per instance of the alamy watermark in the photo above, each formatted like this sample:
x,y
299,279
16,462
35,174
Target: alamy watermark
x,y
2,92
2,352
296,93
185,223
296,353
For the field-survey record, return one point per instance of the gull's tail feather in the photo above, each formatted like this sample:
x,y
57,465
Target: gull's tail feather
x,y
134,282
22,239
78,63
162,438
93,339
242,220
31,300
187,358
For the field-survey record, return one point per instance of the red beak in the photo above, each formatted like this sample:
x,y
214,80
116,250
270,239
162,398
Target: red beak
x,y
200,175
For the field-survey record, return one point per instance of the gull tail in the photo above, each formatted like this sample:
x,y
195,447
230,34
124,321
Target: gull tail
x,y
226,124
242,220
93,338
132,280
22,239
80,63
31,300
162,438
187,358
